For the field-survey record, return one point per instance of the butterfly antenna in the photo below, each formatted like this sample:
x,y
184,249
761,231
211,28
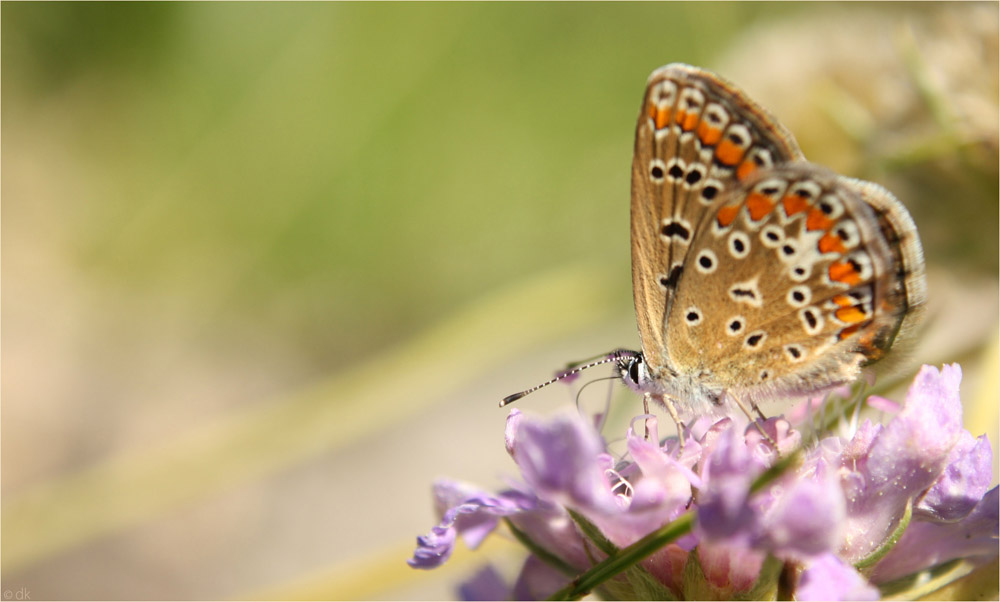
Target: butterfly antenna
x,y
614,356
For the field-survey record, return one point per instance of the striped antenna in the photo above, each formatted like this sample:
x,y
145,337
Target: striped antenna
x,y
614,356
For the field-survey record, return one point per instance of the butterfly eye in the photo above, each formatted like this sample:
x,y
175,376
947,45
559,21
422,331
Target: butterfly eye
x,y
633,370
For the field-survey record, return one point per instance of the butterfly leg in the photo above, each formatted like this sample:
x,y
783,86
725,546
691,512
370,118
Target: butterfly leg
x,y
754,420
645,410
760,414
677,419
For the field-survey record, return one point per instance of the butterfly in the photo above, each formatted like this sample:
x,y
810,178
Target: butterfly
x,y
756,274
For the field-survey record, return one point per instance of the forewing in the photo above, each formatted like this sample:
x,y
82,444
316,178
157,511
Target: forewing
x,y
697,138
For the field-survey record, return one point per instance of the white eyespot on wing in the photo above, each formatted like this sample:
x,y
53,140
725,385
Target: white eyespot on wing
x,y
739,244
788,250
657,170
794,353
799,272
676,230
831,206
747,292
812,320
799,296
675,169
735,325
753,340
710,191
706,262
772,235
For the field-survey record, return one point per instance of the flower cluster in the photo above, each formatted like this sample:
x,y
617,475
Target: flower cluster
x,y
714,519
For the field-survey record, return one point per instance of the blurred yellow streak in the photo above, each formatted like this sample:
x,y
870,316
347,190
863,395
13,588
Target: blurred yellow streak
x,y
365,578
983,407
137,486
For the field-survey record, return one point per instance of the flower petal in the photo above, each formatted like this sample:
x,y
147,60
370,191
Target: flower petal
x,y
963,483
434,548
485,584
925,544
538,580
829,578
727,570
559,460
806,519
905,458
723,509
476,516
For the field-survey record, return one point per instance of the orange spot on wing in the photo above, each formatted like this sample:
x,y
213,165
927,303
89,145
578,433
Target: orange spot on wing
x,y
847,332
831,243
793,204
679,115
708,134
843,300
728,153
758,205
727,214
662,117
652,110
851,315
745,169
690,120
844,272
817,220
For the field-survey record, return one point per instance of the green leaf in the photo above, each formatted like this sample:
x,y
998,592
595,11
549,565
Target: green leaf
x,y
766,587
592,533
647,587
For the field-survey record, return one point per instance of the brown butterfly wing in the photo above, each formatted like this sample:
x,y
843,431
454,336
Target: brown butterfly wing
x,y
697,137
796,280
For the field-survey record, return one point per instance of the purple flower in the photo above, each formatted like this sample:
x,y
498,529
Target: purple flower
x,y
844,504
963,483
470,512
485,584
829,578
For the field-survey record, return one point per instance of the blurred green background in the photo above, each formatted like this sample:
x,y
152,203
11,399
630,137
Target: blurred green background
x,y
268,267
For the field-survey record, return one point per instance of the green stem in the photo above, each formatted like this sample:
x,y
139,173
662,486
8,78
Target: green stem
x,y
633,554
